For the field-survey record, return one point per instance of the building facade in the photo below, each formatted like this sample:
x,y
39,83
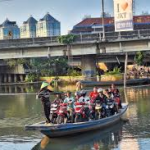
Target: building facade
x,y
9,30
28,29
47,26
93,25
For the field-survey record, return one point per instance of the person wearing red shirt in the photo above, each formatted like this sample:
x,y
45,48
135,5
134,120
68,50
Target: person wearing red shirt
x,y
93,94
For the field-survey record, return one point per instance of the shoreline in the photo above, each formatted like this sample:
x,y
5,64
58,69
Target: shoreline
x,y
20,83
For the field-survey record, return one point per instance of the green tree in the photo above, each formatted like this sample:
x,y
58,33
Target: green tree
x,y
50,67
139,57
67,40
15,62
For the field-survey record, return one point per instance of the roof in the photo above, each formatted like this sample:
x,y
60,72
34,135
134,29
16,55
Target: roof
x,y
31,20
48,17
110,20
7,23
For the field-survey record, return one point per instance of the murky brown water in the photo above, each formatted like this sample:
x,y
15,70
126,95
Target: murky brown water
x,y
20,109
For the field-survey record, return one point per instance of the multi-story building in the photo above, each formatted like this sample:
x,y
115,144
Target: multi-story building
x,y
9,30
28,29
93,25
47,26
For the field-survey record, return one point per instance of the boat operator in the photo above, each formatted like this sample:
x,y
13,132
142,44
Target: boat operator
x,y
44,95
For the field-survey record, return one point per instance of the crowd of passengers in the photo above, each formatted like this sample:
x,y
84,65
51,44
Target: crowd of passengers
x,y
79,107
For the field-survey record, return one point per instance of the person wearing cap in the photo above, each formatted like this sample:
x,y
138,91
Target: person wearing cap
x,y
44,95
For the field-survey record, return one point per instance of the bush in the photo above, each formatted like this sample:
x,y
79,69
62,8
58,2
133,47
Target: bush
x,y
32,77
72,72
115,71
139,57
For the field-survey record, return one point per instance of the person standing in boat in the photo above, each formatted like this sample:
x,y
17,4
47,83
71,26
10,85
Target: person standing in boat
x,y
44,95
79,86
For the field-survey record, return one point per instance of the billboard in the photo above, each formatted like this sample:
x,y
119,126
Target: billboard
x,y
123,15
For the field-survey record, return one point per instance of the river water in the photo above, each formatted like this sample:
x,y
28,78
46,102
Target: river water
x,y
17,110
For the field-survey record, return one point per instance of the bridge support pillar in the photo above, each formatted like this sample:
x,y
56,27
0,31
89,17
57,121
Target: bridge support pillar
x,y
5,89
5,78
16,89
9,78
21,78
15,78
88,65
10,89
1,78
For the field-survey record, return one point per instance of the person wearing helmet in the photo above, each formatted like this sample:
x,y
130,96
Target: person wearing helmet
x,y
44,95
77,95
101,97
102,100
84,98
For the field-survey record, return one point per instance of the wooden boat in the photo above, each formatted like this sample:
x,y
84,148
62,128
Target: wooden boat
x,y
58,130
108,83
87,138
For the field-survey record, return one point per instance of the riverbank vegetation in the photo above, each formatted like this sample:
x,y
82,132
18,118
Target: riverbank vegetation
x,y
44,67
113,75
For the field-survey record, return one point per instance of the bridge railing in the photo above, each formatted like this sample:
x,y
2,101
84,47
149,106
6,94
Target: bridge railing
x,y
113,36
80,38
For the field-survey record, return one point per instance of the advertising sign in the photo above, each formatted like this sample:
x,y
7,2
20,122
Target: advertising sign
x,y
123,15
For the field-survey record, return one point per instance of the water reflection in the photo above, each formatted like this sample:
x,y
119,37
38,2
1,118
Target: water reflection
x,y
94,140
20,109
33,88
19,88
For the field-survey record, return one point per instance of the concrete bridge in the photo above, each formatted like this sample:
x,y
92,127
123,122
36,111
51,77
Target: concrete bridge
x,y
87,47
86,44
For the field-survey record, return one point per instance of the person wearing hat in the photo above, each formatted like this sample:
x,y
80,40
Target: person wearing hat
x,y
44,95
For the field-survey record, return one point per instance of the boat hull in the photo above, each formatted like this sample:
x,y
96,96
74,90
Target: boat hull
x,y
75,128
119,83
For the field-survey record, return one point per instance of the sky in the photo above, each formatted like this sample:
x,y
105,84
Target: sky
x,y
68,12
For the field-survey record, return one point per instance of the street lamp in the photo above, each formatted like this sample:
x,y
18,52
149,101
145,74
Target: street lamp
x,y
103,21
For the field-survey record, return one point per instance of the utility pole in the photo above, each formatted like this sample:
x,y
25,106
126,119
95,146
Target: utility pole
x,y
103,21
125,69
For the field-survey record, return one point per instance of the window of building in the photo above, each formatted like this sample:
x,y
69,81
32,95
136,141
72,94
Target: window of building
x,y
41,25
24,28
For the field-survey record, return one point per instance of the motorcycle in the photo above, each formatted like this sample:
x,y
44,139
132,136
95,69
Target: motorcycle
x,y
98,108
92,110
62,113
118,102
80,114
53,113
110,106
